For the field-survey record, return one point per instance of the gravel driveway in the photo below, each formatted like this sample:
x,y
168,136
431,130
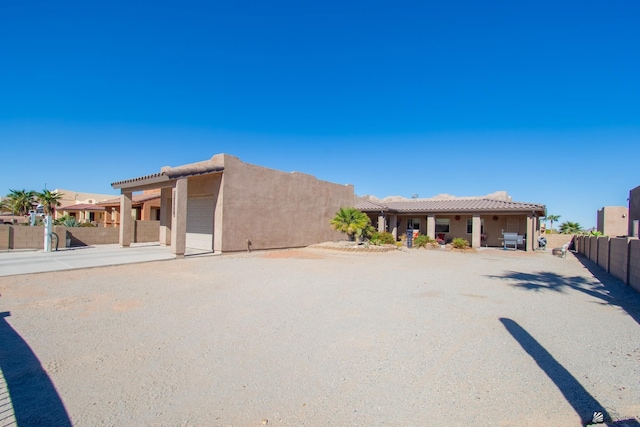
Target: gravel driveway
x,y
315,337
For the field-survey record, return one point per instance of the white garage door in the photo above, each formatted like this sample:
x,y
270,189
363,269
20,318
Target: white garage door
x,y
200,223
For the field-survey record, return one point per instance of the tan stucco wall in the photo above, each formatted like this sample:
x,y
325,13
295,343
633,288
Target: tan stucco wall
x,y
81,236
613,221
275,209
146,231
618,257
6,237
603,252
557,240
634,264
25,237
593,249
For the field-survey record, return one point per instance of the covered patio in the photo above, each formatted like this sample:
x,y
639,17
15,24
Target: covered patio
x,y
481,221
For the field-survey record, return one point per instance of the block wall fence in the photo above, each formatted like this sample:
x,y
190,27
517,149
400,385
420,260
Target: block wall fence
x,y
619,256
25,237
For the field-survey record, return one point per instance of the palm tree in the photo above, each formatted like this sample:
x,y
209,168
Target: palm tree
x,y
49,200
4,205
20,201
351,221
569,227
551,219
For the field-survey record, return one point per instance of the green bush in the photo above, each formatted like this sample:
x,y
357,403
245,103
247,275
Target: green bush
x,y
459,243
70,222
384,238
422,241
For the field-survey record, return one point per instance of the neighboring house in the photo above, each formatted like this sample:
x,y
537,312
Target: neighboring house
x,y
634,212
613,221
225,205
76,204
145,207
73,200
83,212
479,220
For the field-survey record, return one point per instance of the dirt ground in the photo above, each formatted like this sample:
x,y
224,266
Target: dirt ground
x,y
310,337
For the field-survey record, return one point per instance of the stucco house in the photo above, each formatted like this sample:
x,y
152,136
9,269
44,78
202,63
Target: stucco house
x,y
225,205
613,221
479,220
634,212
144,207
83,212
80,205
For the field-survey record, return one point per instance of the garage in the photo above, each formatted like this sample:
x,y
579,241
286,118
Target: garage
x,y
200,211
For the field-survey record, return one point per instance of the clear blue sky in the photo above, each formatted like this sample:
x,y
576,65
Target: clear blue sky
x,y
541,99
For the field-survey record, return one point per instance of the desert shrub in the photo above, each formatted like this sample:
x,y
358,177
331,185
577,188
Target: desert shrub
x,y
459,243
71,222
422,241
384,238
87,224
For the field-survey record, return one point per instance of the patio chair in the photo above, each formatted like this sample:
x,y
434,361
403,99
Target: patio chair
x,y
561,252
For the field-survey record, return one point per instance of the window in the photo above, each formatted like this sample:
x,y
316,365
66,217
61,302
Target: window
x,y
470,226
413,224
442,225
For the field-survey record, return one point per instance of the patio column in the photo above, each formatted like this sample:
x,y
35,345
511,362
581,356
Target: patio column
x,y
179,218
431,226
126,222
393,225
165,216
476,228
382,227
532,236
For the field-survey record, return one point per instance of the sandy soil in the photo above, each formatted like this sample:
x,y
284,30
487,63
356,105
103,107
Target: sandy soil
x,y
319,337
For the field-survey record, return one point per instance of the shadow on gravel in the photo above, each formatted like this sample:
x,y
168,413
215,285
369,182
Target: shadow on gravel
x,y
34,397
582,402
602,286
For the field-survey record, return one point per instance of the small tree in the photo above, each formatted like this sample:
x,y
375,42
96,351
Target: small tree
x,y
352,222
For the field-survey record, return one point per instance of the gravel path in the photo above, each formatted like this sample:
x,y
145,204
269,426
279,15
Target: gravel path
x,y
314,337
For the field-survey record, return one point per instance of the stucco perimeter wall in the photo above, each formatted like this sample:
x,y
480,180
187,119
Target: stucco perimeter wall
x,y
593,249
276,209
558,240
85,236
618,258
603,252
25,237
586,245
634,264
5,237
146,231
